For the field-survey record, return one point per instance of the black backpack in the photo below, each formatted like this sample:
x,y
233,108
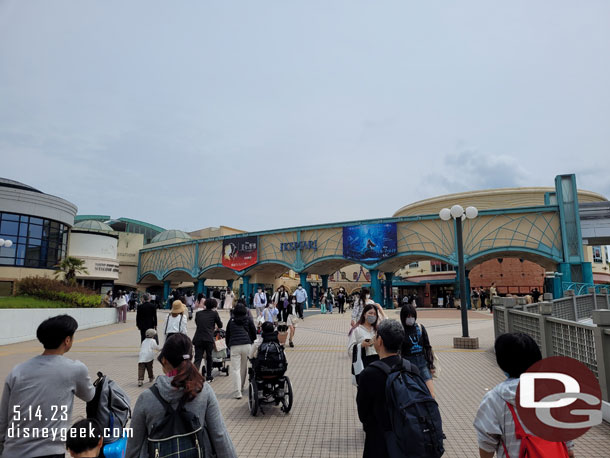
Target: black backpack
x,y
179,434
417,430
271,358
110,406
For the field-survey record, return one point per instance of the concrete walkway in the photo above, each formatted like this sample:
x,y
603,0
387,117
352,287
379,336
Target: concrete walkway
x,y
324,420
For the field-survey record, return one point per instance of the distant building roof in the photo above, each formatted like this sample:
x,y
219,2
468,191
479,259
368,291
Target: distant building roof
x,y
93,225
171,235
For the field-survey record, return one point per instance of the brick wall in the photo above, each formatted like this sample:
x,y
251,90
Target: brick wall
x,y
511,275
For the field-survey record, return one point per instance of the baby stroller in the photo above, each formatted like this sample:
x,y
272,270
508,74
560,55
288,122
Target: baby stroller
x,y
268,384
221,353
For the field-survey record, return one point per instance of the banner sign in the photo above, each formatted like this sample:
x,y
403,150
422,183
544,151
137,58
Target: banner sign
x,y
293,246
239,253
369,242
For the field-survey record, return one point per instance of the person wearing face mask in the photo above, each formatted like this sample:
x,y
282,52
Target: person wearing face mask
x,y
416,346
364,299
260,301
301,296
292,319
360,346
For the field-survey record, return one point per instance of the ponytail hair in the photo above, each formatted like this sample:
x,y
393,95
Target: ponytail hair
x,y
178,351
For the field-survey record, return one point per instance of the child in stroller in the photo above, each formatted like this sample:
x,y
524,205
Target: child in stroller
x,y
268,384
221,353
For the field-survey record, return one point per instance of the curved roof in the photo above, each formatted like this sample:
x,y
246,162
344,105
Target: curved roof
x,y
6,183
93,225
170,235
490,199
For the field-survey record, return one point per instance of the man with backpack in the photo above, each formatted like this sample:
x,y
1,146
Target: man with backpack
x,y
39,394
384,388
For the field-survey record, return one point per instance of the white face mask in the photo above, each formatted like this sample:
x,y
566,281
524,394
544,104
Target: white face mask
x,y
368,296
294,301
300,287
410,321
371,319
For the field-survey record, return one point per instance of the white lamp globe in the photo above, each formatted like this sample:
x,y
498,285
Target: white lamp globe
x,y
445,214
457,211
1,242
471,212
8,243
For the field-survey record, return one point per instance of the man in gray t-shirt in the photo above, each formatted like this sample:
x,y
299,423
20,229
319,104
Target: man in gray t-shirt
x,y
36,406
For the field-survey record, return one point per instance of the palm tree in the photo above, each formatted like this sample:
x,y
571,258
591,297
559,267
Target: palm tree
x,y
70,266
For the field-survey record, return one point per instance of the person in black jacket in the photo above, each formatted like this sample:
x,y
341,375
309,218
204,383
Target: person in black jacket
x,y
371,398
203,340
146,318
240,335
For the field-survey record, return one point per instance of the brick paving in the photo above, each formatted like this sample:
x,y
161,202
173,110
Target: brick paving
x,y
324,420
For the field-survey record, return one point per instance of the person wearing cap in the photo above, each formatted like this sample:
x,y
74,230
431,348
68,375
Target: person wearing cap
x,y
176,319
147,355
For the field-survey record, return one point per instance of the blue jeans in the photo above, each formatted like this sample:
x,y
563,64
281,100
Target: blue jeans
x,y
421,363
329,306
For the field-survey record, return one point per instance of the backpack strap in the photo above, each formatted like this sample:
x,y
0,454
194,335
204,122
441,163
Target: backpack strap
x,y
166,405
519,431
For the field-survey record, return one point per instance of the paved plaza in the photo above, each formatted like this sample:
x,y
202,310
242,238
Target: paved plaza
x,y
324,420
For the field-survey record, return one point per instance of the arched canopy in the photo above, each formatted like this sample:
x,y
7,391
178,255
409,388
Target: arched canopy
x,y
218,272
546,261
179,275
396,263
150,278
328,265
275,268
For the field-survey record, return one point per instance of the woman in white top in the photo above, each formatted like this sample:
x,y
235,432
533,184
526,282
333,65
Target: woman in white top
x,y
121,305
229,298
176,321
360,346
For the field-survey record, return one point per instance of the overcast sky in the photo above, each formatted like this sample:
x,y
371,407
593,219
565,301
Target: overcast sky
x,y
266,114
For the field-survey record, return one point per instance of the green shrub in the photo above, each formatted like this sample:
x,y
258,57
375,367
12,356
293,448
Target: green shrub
x,y
55,290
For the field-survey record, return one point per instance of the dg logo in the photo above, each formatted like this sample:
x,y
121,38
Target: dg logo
x,y
559,399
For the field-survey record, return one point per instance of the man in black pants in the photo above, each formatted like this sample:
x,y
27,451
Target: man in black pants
x,y
146,318
203,340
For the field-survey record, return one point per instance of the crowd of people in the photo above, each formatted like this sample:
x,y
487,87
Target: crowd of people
x,y
381,349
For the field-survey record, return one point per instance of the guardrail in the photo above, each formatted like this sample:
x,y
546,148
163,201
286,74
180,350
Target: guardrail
x,y
554,327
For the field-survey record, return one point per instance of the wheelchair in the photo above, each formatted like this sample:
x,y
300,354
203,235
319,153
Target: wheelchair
x,y
268,387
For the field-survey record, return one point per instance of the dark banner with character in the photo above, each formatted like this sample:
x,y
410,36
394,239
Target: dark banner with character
x,y
239,253
369,242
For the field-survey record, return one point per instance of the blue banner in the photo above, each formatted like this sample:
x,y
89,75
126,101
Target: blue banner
x,y
369,242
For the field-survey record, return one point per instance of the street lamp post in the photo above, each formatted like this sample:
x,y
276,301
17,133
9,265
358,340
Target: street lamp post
x,y
6,243
458,214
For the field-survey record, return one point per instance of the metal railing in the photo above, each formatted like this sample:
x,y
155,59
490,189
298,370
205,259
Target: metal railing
x,y
555,328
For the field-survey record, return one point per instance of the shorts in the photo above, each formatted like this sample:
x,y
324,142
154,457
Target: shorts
x,y
421,363
292,320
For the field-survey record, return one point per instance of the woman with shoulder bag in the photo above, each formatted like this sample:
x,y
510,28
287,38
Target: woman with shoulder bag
x,y
280,300
360,346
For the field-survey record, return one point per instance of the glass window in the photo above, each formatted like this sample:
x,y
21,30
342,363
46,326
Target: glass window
x,y
34,242
24,218
20,262
21,251
10,217
35,231
9,227
7,261
35,220
23,229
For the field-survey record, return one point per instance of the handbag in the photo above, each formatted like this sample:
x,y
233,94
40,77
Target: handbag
x,y
220,345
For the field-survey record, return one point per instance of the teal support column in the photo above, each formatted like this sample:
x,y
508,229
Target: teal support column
x,y
200,285
467,292
376,292
166,288
306,285
246,288
324,282
565,270
557,288
587,273
388,285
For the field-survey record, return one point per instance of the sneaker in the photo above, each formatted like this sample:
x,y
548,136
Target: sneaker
x,y
210,380
151,380
291,344
238,395
139,382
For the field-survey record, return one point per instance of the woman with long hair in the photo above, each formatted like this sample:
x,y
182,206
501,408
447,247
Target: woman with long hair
x,y
360,346
416,347
181,382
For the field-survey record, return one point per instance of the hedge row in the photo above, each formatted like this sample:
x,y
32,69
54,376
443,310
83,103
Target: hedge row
x,y
55,290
